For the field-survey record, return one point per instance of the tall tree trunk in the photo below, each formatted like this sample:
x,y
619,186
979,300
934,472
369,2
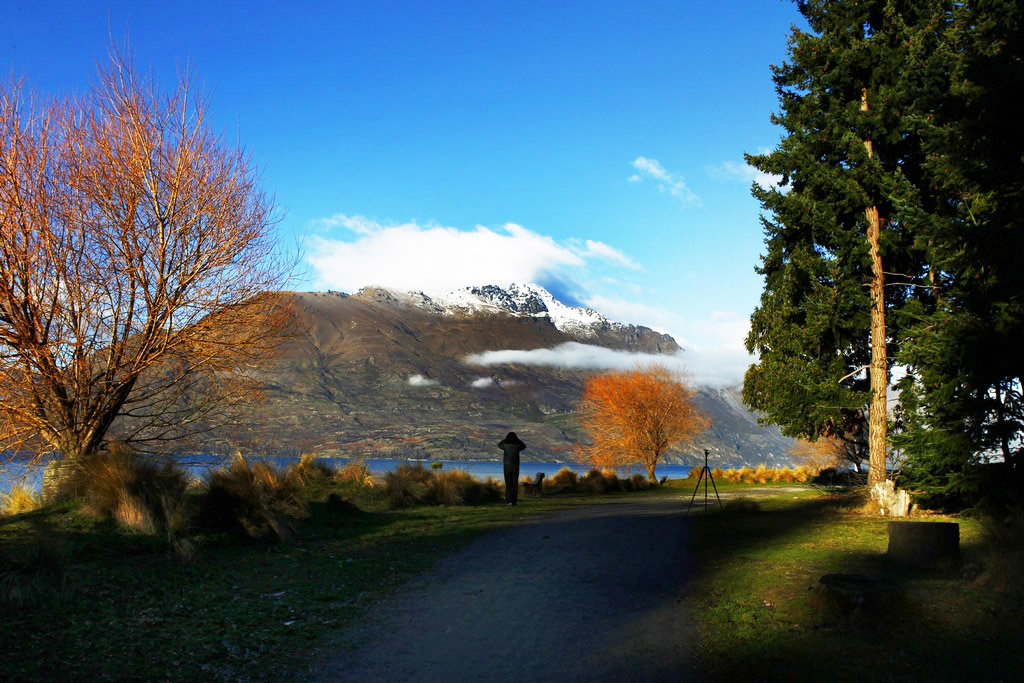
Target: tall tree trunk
x,y
878,417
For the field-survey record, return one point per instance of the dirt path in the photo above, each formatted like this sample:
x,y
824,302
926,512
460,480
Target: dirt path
x,y
588,594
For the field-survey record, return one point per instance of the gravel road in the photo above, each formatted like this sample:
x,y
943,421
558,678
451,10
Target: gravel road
x,y
588,594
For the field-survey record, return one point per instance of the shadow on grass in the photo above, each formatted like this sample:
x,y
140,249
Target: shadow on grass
x,y
762,618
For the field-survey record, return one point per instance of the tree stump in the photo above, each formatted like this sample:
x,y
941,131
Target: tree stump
x,y
57,476
925,544
846,593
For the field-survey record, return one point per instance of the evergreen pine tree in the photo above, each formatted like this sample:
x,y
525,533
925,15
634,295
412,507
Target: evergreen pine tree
x,y
840,256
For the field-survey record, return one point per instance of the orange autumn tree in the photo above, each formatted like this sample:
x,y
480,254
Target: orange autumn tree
x,y
635,417
138,265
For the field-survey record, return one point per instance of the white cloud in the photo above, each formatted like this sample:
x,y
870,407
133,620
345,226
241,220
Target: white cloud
x,y
433,258
421,381
733,170
611,254
667,182
718,366
482,383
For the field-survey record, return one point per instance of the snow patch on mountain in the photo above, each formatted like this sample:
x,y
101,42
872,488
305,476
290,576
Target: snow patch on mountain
x,y
519,299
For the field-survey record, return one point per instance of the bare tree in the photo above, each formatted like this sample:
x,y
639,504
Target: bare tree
x,y
139,272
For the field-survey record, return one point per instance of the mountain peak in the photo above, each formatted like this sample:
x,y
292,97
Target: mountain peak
x,y
523,299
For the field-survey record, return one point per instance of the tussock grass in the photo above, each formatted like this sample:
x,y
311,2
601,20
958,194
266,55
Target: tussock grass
x,y
639,482
355,472
564,479
21,498
129,488
410,485
310,470
758,475
258,499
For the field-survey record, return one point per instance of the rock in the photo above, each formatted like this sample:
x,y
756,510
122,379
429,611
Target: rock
x,y
925,544
847,593
894,502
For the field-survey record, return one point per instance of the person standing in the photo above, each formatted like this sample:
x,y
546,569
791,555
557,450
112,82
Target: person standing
x,y
512,447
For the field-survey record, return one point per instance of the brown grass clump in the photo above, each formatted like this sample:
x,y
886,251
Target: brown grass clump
x,y
355,472
564,479
256,498
640,483
802,473
600,481
310,470
129,488
410,485
21,498
446,488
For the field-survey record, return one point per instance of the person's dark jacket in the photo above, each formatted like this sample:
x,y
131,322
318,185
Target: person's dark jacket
x,y
511,445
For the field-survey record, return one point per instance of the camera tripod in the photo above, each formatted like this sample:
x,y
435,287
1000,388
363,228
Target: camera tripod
x,y
705,476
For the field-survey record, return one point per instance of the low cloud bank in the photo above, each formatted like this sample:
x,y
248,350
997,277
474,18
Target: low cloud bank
x,y
715,368
421,381
482,383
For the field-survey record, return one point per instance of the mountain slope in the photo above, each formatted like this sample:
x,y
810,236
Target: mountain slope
x,y
382,373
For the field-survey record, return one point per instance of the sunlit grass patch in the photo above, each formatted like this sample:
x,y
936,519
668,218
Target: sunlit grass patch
x,y
355,472
129,488
19,499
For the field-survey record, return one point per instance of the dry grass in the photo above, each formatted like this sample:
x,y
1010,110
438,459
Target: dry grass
x,y
310,470
410,485
21,498
355,472
124,486
758,475
564,479
257,498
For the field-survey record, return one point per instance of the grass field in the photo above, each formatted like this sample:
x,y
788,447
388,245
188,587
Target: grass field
x,y
759,617
130,610
120,605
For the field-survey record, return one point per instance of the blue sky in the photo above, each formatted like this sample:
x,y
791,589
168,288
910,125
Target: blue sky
x,y
594,147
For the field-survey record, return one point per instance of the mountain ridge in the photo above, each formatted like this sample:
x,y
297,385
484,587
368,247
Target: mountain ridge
x,y
384,373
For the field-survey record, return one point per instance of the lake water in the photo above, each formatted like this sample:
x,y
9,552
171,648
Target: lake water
x,y
200,464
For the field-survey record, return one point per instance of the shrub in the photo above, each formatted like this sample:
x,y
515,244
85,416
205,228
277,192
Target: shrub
x,y
257,499
410,485
694,473
310,470
565,478
406,485
802,473
601,481
129,488
355,472
446,488
640,482
21,498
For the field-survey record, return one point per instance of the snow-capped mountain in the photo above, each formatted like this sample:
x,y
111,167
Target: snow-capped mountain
x,y
519,299
388,373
